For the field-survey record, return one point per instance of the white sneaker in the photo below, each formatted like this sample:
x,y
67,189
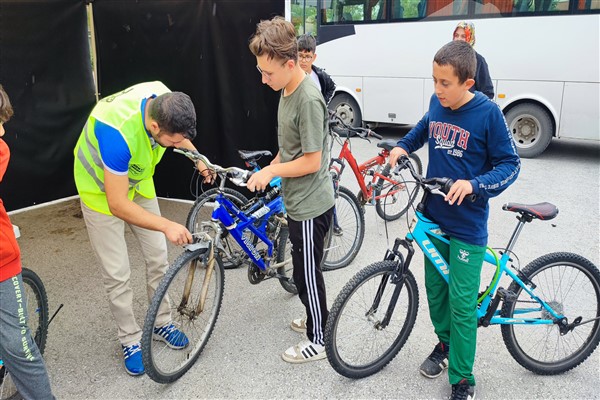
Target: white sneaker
x,y
304,351
299,325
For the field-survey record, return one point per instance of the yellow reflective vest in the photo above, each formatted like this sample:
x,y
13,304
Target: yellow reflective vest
x,y
121,111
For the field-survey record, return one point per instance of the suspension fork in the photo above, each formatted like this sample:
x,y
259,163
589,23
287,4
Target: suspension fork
x,y
397,278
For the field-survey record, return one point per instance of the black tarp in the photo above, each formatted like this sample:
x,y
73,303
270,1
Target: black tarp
x,y
45,69
195,46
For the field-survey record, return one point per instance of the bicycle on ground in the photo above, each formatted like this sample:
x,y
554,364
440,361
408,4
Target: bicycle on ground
x,y
549,316
192,289
388,190
37,312
341,243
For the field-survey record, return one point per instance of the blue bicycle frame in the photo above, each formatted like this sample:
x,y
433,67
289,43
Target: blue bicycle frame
x,y
236,222
422,228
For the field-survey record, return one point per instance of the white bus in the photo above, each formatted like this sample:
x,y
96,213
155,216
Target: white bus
x,y
543,58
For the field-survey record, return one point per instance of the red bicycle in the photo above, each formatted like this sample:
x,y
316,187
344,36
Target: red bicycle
x,y
387,189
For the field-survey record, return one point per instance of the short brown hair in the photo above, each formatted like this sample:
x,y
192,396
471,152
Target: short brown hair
x,y
6,110
461,56
276,38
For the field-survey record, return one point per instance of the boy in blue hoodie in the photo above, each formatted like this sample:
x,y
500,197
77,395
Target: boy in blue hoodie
x,y
469,142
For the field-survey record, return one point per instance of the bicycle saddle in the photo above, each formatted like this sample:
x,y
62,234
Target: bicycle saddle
x,y
253,154
387,144
543,211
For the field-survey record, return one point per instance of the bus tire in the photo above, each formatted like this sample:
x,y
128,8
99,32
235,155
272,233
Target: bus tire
x,y
347,110
531,128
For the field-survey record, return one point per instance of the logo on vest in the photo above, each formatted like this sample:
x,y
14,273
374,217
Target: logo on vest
x,y
136,169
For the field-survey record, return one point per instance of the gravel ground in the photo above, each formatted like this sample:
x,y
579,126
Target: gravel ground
x,y
242,358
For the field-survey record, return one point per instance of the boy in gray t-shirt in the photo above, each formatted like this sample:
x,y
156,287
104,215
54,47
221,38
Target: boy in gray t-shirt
x,y
302,163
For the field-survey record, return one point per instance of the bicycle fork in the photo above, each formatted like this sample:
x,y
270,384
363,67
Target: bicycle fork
x,y
210,262
397,278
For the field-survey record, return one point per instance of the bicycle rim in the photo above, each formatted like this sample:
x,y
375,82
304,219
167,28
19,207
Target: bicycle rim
x,y
164,364
37,321
347,231
355,343
398,196
570,285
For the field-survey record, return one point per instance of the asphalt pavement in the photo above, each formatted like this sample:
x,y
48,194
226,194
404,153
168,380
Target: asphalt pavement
x,y
242,359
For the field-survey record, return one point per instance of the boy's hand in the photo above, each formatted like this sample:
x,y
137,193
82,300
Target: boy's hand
x,y
259,180
459,191
395,155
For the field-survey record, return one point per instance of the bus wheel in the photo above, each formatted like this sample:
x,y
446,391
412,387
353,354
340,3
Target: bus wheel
x,y
531,128
347,109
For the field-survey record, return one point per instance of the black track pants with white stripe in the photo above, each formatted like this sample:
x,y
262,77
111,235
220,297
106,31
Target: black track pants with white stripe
x,y
308,239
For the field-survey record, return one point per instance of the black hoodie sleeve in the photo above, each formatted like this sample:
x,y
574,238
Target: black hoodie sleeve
x,y
327,84
483,82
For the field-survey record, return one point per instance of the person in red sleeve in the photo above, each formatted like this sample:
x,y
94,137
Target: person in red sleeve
x,y
18,351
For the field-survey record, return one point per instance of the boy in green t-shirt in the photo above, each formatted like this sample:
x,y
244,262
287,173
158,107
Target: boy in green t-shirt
x,y
302,163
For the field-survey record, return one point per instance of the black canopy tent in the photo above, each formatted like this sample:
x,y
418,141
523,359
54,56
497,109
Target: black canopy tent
x,y
194,46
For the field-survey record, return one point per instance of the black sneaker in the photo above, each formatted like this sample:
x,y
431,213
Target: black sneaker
x,y
462,391
436,363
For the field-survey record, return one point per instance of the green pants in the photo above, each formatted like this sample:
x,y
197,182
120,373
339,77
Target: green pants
x,y
453,306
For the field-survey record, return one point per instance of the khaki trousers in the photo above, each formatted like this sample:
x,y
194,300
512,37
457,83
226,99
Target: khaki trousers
x,y
107,237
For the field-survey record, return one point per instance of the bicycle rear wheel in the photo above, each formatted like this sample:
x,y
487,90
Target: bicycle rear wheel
x,y
570,285
232,254
399,196
357,345
164,364
284,248
37,321
347,232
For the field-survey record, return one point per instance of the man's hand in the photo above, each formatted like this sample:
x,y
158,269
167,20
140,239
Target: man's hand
x,y
259,180
458,192
177,234
395,155
208,174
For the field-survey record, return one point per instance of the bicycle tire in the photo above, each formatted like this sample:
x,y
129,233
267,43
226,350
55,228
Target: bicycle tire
x,y
529,344
284,252
346,235
401,201
232,254
37,321
355,346
166,365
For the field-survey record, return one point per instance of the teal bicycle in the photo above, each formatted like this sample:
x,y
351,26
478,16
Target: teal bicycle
x,y
549,315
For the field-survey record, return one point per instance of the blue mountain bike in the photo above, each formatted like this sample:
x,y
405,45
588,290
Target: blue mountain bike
x,y
191,292
549,315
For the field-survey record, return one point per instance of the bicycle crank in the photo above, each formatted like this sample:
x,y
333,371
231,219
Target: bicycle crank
x,y
255,275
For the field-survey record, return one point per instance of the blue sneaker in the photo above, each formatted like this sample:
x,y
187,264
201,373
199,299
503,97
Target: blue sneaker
x,y
172,336
132,356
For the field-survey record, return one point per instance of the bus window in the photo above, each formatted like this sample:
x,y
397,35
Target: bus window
x,y
353,11
445,8
540,6
304,16
588,4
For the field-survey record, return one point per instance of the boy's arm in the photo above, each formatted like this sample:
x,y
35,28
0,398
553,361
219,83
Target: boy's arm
x,y
502,155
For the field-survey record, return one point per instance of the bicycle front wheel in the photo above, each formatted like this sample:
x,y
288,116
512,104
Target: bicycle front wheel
x,y
192,293
232,254
37,320
570,285
400,195
347,231
356,342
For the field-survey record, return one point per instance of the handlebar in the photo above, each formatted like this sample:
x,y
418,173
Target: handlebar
x,y
236,175
439,186
363,133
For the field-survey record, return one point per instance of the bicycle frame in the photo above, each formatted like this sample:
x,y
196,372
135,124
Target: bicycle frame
x,y
422,228
225,211
361,171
